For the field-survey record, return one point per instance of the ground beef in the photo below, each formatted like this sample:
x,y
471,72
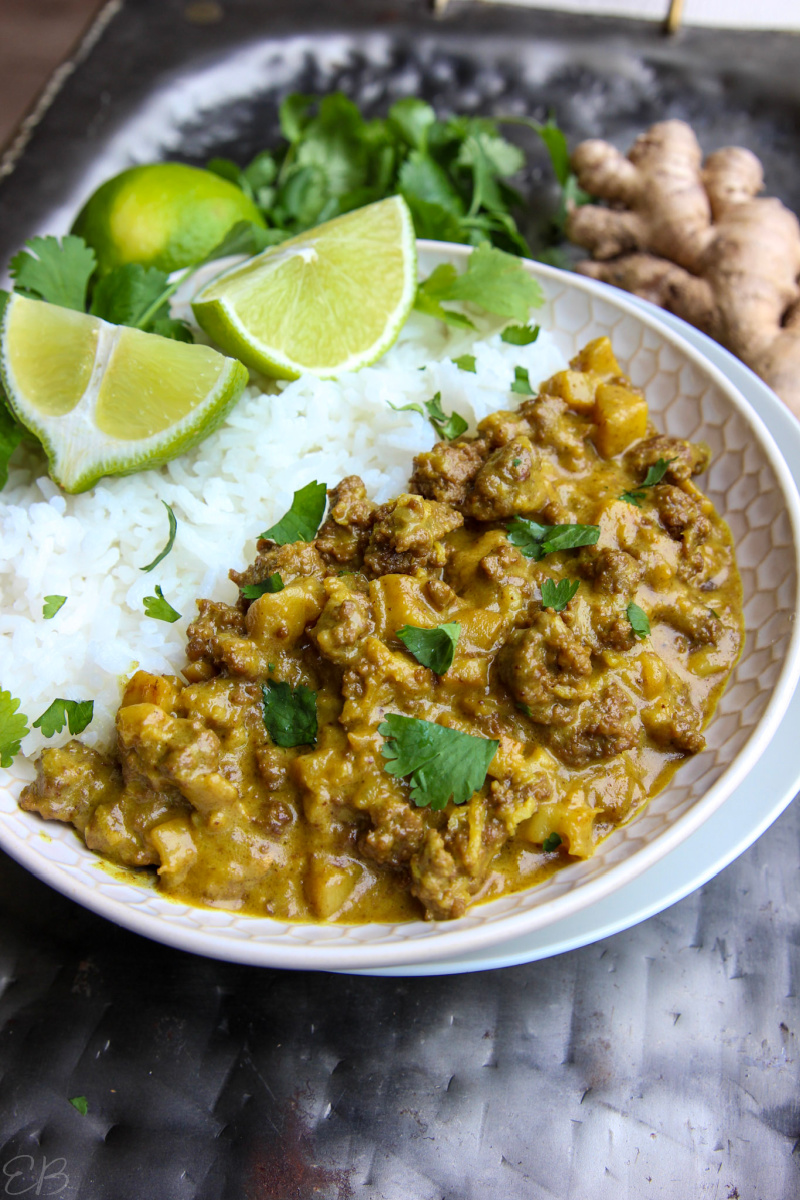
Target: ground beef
x,y
343,538
688,459
407,535
446,472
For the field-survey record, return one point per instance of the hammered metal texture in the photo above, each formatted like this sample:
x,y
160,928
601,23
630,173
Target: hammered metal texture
x,y
686,401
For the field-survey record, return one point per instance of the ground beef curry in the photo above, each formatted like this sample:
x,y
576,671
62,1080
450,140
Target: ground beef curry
x,y
591,669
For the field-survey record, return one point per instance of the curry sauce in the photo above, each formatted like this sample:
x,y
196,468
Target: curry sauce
x,y
593,701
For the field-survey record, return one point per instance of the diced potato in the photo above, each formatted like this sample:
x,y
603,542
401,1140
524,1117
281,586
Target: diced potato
x,y
280,618
174,842
144,688
328,883
620,414
597,357
571,819
654,675
576,388
400,600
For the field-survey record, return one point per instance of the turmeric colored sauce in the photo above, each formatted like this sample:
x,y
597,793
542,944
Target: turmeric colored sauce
x,y
592,705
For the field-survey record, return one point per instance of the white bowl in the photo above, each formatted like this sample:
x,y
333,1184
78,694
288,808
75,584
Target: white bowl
x,y
750,486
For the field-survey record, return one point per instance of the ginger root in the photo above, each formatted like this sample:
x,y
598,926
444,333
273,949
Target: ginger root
x,y
691,237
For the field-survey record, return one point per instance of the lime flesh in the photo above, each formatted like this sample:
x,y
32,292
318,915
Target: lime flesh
x,y
106,399
330,300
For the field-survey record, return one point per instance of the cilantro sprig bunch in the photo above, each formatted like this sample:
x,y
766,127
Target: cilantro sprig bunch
x,y
453,173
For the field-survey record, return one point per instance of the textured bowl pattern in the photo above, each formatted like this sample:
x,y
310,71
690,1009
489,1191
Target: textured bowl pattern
x,y
749,485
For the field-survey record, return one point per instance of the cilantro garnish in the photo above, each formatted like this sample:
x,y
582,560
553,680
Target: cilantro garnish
x,y
447,427
290,714
53,270
76,713
535,540
81,1103
465,362
11,434
173,529
13,728
493,280
273,583
522,382
52,605
160,609
442,763
638,619
551,842
557,595
654,475
520,335
433,648
301,522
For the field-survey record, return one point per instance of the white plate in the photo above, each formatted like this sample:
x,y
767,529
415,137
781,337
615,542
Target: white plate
x,y
749,482
737,824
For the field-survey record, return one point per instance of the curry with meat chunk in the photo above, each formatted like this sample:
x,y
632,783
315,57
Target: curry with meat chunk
x,y
592,692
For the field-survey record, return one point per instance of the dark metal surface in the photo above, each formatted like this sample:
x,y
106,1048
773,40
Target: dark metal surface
x,y
661,1062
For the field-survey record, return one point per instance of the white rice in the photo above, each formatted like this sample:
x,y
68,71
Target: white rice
x,y
239,481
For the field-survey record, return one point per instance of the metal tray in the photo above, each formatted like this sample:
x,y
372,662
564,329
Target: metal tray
x,y
661,1062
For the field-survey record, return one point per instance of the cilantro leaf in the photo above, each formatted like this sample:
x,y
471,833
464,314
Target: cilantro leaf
x,y
53,270
13,728
173,529
433,648
557,595
129,293
535,540
273,583
447,427
520,335
465,362
412,118
160,609
81,1103
436,288
490,158
294,115
493,280
52,605
301,522
170,327
498,283
290,714
655,474
442,763
421,178
551,842
76,713
11,434
638,619
417,408
522,382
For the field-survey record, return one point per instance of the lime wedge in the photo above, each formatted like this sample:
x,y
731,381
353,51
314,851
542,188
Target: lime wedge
x,y
106,399
330,300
